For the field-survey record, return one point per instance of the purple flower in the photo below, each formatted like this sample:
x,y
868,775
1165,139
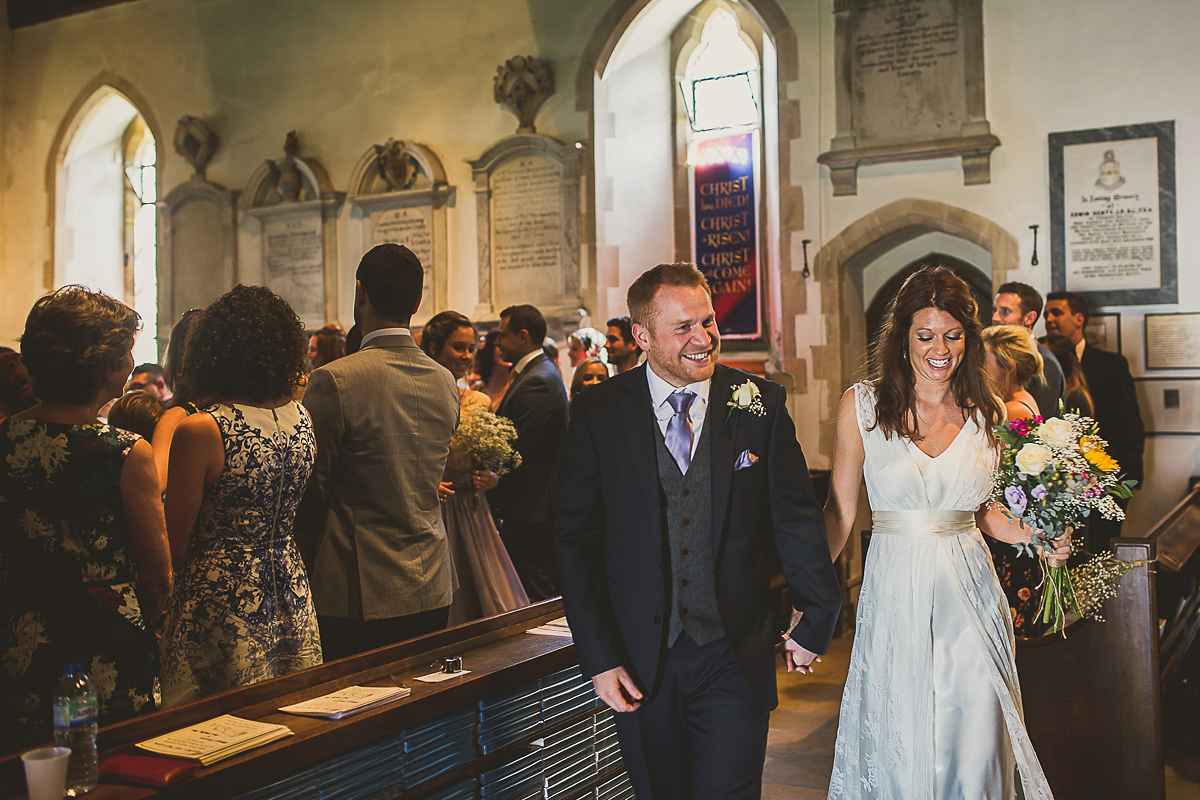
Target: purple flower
x,y
1017,501
1038,492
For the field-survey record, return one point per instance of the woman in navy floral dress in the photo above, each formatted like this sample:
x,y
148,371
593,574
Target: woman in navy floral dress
x,y
242,611
84,566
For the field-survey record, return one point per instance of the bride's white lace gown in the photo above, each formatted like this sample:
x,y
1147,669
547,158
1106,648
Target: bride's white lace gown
x,y
932,708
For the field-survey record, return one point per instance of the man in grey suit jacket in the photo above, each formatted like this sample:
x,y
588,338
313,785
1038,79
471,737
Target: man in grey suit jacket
x,y
536,402
383,419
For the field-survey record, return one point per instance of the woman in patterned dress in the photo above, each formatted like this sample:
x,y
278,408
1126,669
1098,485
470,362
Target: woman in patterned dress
x,y
242,611
84,565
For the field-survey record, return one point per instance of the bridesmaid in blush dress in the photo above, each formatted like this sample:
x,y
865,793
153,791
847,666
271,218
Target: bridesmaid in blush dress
x,y
932,706
487,582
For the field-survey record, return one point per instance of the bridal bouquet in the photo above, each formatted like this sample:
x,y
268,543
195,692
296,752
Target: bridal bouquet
x,y
1052,474
484,441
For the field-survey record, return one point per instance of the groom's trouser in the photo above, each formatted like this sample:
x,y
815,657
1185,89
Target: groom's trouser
x,y
702,734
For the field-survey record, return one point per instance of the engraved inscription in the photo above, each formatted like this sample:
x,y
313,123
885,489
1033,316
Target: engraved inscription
x,y
527,230
413,228
295,266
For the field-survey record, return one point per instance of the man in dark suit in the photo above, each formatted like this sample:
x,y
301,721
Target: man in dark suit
x,y
1115,399
1020,304
680,480
536,402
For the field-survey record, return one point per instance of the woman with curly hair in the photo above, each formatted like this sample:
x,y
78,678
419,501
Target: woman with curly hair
x,y
84,565
242,611
487,581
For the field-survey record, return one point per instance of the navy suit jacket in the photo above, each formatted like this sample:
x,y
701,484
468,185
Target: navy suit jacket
x,y
536,402
1117,411
610,531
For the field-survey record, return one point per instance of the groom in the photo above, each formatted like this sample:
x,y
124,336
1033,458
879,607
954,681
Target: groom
x,y
674,493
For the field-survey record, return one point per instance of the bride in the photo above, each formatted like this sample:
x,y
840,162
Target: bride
x,y
932,707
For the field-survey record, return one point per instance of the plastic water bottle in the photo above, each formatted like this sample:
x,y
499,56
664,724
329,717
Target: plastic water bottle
x,y
75,722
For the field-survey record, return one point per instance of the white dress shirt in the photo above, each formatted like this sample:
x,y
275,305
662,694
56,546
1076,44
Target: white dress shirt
x,y
1082,343
383,332
524,362
659,391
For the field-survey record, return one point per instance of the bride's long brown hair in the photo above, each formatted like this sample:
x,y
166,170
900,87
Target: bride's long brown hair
x,y
895,400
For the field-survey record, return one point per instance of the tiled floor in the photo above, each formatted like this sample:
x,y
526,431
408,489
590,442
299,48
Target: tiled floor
x,y
800,745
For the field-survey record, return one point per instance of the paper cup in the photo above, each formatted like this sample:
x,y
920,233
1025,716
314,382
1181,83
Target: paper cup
x,y
46,772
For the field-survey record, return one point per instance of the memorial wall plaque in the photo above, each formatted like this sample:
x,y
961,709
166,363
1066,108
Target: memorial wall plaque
x,y
909,83
295,265
527,230
197,249
1172,341
413,228
289,234
398,194
1112,216
527,190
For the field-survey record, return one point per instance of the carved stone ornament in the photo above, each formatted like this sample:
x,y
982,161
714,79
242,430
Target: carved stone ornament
x,y
522,85
396,167
291,183
194,142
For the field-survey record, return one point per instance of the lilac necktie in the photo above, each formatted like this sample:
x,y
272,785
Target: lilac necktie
x,y
679,429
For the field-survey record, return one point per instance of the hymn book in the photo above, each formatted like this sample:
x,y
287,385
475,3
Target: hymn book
x,y
216,739
345,702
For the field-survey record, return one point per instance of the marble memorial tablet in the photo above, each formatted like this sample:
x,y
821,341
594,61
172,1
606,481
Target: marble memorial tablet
x,y
295,265
527,230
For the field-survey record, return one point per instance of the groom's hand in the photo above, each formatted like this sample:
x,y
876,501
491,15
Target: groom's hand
x,y
797,658
617,690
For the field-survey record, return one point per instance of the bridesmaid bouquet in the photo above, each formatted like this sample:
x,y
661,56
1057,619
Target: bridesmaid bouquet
x,y
1052,474
484,441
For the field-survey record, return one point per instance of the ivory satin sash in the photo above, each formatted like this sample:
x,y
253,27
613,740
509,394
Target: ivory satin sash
x,y
923,523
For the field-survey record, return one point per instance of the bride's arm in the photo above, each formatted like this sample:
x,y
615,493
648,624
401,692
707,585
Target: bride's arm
x,y
995,523
846,482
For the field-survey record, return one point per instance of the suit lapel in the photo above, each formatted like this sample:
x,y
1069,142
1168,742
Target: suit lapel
x,y
502,406
722,437
640,431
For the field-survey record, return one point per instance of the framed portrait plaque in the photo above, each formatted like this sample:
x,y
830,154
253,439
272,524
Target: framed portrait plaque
x,y
1173,341
1104,331
1112,214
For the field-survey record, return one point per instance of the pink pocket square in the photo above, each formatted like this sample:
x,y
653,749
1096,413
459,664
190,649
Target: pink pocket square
x,y
746,459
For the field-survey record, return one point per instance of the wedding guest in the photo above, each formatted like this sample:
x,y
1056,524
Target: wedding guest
x,y
1014,363
586,343
383,419
536,402
550,348
16,390
136,412
623,352
183,404
1116,407
1078,398
149,378
84,564
327,344
588,372
241,611
1019,303
487,582
932,706
492,369
353,339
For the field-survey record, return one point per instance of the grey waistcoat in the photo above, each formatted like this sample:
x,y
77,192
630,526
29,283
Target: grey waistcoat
x,y
687,501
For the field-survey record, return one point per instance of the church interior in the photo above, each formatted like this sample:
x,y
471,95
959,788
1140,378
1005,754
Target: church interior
x,y
550,151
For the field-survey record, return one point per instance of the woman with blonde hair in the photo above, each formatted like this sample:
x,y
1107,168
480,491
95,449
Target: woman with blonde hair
x,y
1012,362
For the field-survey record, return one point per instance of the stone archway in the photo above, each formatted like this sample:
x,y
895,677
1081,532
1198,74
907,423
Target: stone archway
x,y
838,266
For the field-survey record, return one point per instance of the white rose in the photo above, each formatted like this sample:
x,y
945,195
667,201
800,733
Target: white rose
x,y
1033,458
1055,432
743,395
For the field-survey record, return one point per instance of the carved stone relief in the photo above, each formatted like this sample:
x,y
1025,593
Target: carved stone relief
x,y
522,84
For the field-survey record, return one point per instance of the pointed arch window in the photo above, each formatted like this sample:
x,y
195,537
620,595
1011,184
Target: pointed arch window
x,y
720,83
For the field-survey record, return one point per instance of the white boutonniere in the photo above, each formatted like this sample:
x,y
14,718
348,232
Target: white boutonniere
x,y
746,397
